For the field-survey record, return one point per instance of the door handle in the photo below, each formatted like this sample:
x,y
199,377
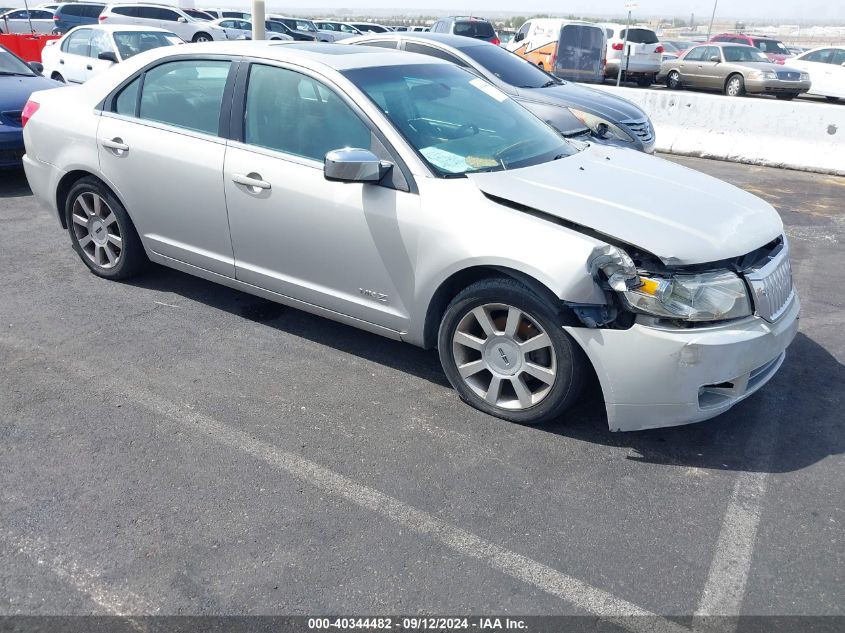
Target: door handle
x,y
89,67
252,181
61,61
116,144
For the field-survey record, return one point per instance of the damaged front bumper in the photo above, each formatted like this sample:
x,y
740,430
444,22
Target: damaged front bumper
x,y
655,377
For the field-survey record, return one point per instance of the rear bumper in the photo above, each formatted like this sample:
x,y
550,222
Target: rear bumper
x,y
11,148
43,179
633,69
654,377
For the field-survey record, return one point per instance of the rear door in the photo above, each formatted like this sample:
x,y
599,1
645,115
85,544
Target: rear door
x,y
160,148
690,67
712,73
835,74
74,56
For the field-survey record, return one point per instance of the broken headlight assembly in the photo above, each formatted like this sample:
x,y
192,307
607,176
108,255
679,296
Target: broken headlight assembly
x,y
703,296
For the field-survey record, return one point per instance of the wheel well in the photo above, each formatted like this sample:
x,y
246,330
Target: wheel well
x,y
65,185
450,288
732,75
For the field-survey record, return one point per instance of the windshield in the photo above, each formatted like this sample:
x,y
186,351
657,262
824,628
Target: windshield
x,y
130,43
771,46
11,65
458,122
743,54
509,67
305,25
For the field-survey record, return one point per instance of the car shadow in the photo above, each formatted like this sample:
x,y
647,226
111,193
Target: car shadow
x,y
13,183
801,406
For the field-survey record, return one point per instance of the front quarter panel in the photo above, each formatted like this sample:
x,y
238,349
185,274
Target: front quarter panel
x,y
459,228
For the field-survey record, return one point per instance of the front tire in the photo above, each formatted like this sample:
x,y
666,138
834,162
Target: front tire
x,y
101,232
504,351
735,86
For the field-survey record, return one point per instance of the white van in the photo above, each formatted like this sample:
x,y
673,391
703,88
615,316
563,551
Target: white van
x,y
566,48
641,62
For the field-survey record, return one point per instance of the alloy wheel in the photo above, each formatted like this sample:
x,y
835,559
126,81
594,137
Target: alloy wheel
x,y
504,356
96,230
734,87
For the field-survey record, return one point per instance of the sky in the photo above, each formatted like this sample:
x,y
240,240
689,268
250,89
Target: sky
x,y
790,11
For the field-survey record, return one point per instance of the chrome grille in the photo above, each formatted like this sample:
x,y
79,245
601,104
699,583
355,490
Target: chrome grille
x,y
788,75
771,287
641,129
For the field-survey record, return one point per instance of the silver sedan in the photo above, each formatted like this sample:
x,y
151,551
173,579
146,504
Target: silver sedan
x,y
735,69
405,196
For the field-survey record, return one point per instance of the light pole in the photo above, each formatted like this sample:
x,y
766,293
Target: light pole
x,y
625,52
258,17
712,17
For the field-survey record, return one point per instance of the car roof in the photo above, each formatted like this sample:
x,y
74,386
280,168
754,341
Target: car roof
x,y
726,44
447,39
310,54
123,28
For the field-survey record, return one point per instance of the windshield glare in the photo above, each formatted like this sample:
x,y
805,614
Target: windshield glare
x,y
771,46
509,67
11,64
743,54
456,121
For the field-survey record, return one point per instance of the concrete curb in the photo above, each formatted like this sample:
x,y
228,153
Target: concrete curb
x,y
794,134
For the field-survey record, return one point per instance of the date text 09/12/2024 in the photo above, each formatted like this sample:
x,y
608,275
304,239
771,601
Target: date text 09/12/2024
x,y
418,623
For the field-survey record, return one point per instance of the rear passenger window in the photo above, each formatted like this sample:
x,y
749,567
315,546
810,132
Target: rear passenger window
x,y
77,43
413,47
127,100
292,113
187,94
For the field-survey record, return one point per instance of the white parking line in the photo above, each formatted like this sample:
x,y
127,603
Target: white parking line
x,y
578,593
84,580
726,582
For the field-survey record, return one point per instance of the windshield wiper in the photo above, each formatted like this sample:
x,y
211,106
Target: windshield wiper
x,y
8,73
552,82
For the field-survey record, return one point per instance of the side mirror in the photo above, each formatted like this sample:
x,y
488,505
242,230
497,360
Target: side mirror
x,y
108,56
37,67
519,37
354,165
182,20
715,58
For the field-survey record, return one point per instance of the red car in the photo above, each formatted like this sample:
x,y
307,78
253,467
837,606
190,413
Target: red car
x,y
774,49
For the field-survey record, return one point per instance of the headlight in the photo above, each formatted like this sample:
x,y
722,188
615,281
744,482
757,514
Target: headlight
x,y
602,128
713,296
763,74
805,76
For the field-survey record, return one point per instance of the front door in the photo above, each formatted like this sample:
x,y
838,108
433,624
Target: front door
x,y
335,245
163,154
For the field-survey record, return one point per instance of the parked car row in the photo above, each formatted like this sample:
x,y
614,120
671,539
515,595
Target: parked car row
x,y
413,197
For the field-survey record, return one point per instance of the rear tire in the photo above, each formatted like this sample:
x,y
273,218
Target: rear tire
x,y
735,86
673,80
202,37
785,97
101,232
645,82
504,351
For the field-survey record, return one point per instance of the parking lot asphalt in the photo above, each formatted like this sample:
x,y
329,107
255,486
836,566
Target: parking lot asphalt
x,y
170,446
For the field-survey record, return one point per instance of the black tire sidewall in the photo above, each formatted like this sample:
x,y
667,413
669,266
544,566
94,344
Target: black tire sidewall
x,y
570,358
132,256
676,83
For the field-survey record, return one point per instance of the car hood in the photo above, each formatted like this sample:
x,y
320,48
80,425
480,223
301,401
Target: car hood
x,y
14,91
597,102
763,66
678,214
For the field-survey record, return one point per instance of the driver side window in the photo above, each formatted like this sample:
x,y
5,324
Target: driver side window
x,y
292,113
